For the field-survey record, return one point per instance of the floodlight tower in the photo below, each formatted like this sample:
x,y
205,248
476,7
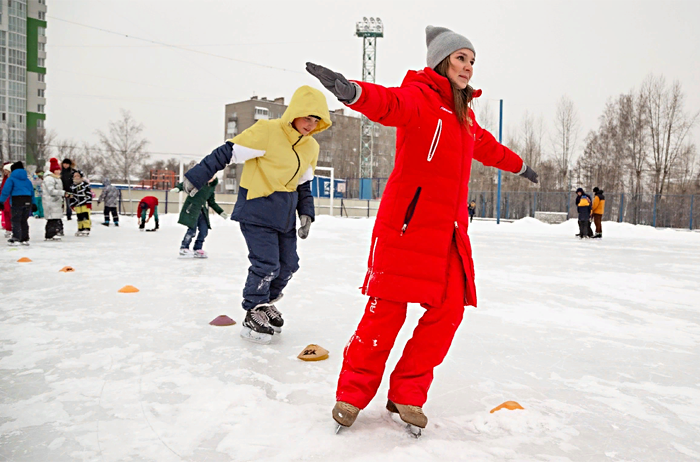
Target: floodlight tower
x,y
370,30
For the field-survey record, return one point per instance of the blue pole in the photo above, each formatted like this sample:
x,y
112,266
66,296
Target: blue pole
x,y
691,212
534,204
508,205
622,207
500,140
655,196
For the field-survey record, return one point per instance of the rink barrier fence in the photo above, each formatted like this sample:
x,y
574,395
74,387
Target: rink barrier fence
x,y
660,211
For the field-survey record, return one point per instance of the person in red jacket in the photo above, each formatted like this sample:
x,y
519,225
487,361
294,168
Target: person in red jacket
x,y
7,210
148,206
420,251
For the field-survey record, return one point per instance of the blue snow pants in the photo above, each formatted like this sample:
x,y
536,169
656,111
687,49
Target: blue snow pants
x,y
203,229
273,259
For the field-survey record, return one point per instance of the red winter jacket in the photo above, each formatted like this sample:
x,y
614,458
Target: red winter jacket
x,y
151,202
425,203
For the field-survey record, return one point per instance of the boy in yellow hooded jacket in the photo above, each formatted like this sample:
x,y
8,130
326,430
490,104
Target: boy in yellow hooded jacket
x,y
279,158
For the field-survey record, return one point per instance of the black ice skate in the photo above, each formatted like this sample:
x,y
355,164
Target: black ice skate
x,y
256,327
273,315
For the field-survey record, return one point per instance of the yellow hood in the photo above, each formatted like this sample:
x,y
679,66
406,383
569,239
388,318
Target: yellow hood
x,y
305,102
287,154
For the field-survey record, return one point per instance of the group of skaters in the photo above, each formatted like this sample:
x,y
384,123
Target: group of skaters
x,y
63,191
590,210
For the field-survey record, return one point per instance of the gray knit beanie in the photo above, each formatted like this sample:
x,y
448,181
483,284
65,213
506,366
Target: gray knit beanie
x,y
442,42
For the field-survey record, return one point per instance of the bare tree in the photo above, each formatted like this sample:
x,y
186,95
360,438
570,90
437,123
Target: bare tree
x,y
668,125
67,149
123,147
532,132
39,145
566,131
89,160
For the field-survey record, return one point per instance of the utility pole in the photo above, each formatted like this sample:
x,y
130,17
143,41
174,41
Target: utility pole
x,y
369,30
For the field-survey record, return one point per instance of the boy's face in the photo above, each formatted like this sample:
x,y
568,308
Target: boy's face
x,y
77,178
305,125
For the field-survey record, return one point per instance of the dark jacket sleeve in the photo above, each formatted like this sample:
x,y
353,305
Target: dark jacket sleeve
x,y
212,203
305,205
200,174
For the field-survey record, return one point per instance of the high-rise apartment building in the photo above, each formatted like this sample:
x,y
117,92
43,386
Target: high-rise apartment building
x,y
22,77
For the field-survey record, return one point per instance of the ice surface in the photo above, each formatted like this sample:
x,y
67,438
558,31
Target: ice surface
x,y
596,339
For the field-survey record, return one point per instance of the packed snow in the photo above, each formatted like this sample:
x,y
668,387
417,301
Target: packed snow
x,y
596,339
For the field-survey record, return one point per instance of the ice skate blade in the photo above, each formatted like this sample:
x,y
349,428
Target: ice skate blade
x,y
338,427
278,330
413,430
256,337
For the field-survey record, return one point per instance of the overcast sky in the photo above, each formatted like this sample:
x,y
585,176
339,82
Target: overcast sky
x,y
528,53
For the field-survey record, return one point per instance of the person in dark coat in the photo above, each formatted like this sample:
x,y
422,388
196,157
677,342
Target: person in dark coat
x,y
195,215
20,190
67,172
583,204
472,210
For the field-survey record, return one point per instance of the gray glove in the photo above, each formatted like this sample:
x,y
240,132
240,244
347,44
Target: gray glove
x,y
188,187
175,190
334,82
305,225
224,215
530,174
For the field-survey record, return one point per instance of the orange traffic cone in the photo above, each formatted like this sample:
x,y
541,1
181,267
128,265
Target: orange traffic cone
x,y
222,320
510,405
23,260
128,290
66,269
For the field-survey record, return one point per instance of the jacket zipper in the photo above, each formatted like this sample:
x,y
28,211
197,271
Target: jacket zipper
x,y
298,160
409,211
436,140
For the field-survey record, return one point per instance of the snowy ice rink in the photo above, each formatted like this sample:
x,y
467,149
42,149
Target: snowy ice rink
x,y
597,340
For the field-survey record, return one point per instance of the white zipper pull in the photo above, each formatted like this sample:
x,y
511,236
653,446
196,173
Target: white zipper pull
x,y
403,229
456,225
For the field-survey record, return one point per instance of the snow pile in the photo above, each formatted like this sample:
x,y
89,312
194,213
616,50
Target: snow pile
x,y
596,339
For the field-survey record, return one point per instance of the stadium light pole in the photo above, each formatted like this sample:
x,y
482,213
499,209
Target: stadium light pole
x,y
500,140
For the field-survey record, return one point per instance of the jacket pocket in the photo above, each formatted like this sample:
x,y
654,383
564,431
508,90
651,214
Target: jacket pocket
x,y
436,140
409,211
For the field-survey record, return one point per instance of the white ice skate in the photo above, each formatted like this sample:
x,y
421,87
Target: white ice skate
x,y
186,253
200,254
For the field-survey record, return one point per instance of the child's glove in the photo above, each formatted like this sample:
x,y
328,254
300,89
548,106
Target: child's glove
x,y
34,208
224,215
188,187
175,190
334,82
305,225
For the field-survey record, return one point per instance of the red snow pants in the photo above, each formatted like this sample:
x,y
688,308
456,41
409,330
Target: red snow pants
x,y
7,216
366,353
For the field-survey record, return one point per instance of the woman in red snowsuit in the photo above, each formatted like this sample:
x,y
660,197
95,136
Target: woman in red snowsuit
x,y
6,210
420,250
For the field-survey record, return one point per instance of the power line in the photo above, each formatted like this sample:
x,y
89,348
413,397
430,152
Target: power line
x,y
195,45
175,47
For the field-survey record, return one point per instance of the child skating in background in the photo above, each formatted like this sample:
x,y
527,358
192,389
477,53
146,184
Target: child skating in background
x,y
54,196
110,196
6,210
280,157
38,181
81,202
20,190
148,206
195,215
